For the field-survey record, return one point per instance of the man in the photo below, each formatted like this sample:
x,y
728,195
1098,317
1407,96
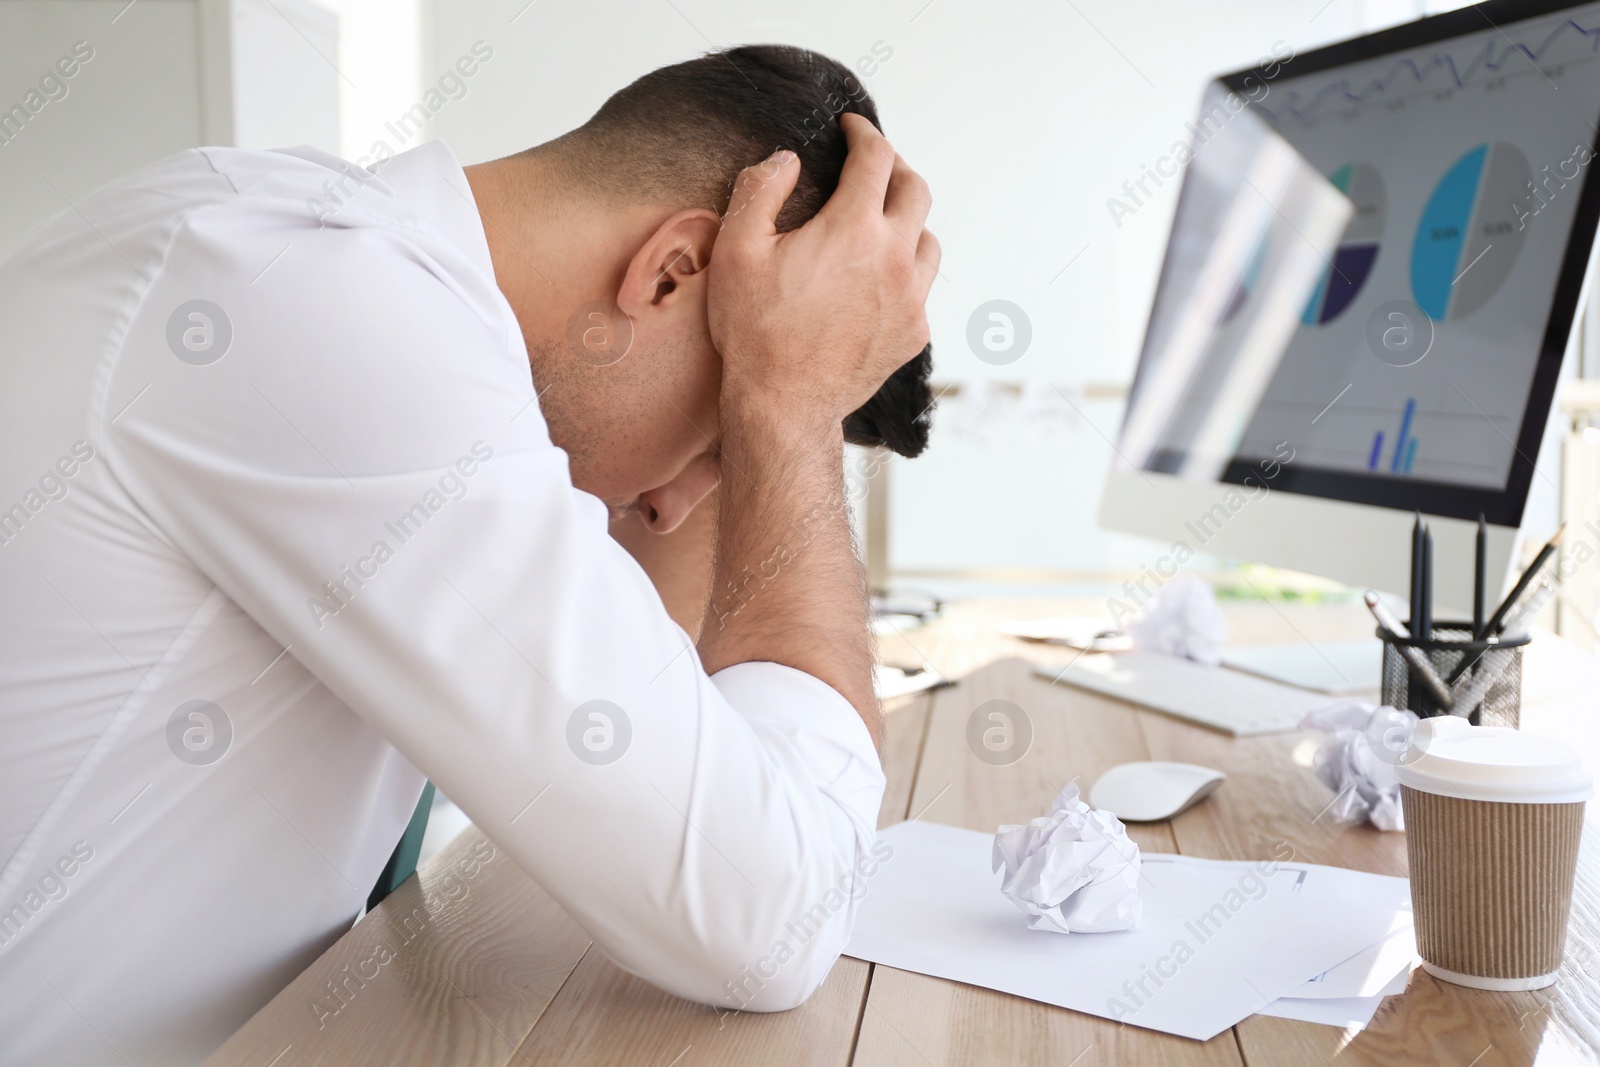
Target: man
x,y
303,472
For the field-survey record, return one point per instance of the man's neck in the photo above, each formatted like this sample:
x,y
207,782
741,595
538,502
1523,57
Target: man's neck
x,y
552,250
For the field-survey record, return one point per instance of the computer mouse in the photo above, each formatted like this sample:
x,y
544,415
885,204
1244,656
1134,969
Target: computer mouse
x,y
1152,791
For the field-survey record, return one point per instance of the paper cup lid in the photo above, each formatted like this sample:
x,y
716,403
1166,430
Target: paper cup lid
x,y
1451,757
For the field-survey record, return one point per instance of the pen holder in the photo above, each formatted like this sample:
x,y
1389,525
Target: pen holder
x,y
1451,645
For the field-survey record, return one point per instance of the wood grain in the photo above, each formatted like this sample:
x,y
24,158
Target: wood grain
x,y
491,972
1433,1021
454,967
913,1021
603,1015
905,729
917,1019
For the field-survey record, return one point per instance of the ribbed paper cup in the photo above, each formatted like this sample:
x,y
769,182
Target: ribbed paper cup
x,y
1493,818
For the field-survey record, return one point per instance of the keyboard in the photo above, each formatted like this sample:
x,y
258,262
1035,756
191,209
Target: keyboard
x,y
1239,704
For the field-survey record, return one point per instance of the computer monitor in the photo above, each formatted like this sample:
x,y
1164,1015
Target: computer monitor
x,y
1415,370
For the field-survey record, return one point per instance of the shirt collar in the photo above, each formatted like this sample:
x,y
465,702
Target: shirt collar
x,y
429,179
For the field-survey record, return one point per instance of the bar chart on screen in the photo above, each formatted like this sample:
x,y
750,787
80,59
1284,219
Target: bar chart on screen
x,y
1463,179
1403,451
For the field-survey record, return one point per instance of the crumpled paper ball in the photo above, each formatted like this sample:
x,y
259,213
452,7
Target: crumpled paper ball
x,y
1074,871
1183,620
1358,758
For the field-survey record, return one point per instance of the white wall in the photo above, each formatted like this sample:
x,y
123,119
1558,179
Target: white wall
x,y
380,60
137,99
286,74
149,79
1025,116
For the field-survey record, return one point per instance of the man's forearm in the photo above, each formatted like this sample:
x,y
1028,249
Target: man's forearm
x,y
809,323
787,585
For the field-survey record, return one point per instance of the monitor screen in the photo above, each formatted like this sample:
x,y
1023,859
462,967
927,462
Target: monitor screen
x,y
1423,353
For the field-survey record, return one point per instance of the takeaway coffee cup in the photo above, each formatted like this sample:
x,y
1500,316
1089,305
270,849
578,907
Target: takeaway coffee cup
x,y
1492,824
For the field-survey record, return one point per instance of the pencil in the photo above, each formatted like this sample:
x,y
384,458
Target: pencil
x,y
1480,576
1497,621
1424,627
1418,664
1416,573
1499,617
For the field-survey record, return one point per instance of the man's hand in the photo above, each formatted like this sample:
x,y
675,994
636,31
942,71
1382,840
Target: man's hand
x,y
811,322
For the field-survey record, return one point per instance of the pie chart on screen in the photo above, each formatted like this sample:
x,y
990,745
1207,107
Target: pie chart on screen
x,y
1358,248
1467,239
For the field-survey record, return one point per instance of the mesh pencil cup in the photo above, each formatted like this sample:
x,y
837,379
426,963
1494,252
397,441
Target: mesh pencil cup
x,y
1493,662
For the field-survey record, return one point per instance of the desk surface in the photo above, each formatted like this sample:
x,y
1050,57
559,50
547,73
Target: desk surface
x,y
483,968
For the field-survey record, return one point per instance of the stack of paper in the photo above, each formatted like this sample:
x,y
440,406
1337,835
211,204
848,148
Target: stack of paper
x,y
1349,994
1217,942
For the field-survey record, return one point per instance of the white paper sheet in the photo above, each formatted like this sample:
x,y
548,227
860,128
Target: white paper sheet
x,y
891,682
1092,633
1352,1013
1217,941
1370,971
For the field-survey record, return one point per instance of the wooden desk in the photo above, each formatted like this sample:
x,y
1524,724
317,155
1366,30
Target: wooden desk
x,y
486,969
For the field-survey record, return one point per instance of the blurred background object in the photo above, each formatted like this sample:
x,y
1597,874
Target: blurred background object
x,y
1046,131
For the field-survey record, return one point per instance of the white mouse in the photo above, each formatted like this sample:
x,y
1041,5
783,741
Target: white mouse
x,y
1150,792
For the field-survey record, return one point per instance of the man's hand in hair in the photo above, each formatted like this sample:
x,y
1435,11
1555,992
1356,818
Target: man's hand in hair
x,y
811,322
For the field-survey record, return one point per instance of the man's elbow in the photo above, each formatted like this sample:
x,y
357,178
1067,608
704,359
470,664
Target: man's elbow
x,y
777,961
774,974
774,953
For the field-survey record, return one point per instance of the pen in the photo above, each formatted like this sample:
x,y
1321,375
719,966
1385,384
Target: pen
x,y
1420,668
1505,614
1520,621
1416,570
1423,630
1480,576
1497,620
1469,695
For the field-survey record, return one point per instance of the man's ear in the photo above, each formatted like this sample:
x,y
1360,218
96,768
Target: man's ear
x,y
670,265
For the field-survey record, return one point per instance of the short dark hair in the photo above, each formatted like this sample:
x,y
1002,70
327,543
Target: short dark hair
x,y
681,135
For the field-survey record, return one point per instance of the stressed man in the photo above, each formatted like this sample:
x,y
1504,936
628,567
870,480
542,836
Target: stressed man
x,y
303,506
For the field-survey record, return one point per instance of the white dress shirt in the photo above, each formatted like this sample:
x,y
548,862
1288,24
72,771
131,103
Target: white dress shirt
x,y
282,532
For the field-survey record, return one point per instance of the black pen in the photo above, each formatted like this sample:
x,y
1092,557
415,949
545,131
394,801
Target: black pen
x,y
1424,627
1480,576
1416,574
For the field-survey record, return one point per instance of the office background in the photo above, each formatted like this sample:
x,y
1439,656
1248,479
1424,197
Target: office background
x,y
1024,135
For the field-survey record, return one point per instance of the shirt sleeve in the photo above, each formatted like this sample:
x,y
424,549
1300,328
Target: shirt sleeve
x,y
366,472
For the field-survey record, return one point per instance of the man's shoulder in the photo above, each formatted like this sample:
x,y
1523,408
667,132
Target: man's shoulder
x,y
308,182
337,227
